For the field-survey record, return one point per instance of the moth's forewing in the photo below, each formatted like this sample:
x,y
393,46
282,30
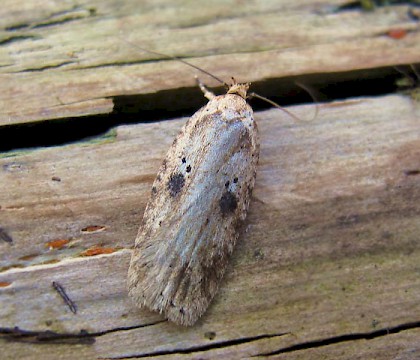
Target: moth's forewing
x,y
199,199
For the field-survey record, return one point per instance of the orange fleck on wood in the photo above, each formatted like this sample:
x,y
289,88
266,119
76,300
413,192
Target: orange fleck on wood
x,y
5,283
93,228
397,33
98,251
57,244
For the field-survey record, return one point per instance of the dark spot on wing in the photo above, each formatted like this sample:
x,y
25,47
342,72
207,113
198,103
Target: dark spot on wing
x,y
228,203
175,184
227,183
184,160
154,190
235,180
188,168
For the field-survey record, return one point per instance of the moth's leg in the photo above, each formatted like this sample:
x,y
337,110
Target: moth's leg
x,y
207,93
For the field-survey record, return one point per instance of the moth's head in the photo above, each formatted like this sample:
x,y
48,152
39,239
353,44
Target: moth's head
x,y
238,89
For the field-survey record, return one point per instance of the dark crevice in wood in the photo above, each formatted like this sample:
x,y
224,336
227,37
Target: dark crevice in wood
x,y
369,5
64,14
46,67
194,349
48,337
180,102
58,18
45,337
16,38
345,338
16,27
117,64
58,21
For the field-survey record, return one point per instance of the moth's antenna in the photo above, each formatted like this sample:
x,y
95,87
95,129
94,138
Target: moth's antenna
x,y
177,59
252,94
313,97
405,73
415,71
255,95
414,79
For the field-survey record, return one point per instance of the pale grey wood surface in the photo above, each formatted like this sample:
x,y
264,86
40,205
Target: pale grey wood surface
x,y
61,60
330,246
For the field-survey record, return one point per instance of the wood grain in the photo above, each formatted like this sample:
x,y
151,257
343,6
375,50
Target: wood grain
x,y
60,60
330,247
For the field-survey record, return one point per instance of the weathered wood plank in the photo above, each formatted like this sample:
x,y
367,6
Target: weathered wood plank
x,y
330,248
61,60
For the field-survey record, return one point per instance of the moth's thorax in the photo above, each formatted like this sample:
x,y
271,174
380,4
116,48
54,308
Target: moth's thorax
x,y
231,107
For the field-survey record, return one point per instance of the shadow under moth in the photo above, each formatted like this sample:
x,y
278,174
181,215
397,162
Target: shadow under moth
x,y
198,201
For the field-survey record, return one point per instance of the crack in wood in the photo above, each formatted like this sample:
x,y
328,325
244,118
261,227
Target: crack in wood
x,y
199,348
15,334
344,338
46,337
17,38
129,109
152,60
57,18
58,21
369,5
46,67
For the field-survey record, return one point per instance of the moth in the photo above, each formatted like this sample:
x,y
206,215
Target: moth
x,y
198,202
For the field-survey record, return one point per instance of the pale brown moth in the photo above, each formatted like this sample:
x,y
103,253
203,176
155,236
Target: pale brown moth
x,y
198,201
